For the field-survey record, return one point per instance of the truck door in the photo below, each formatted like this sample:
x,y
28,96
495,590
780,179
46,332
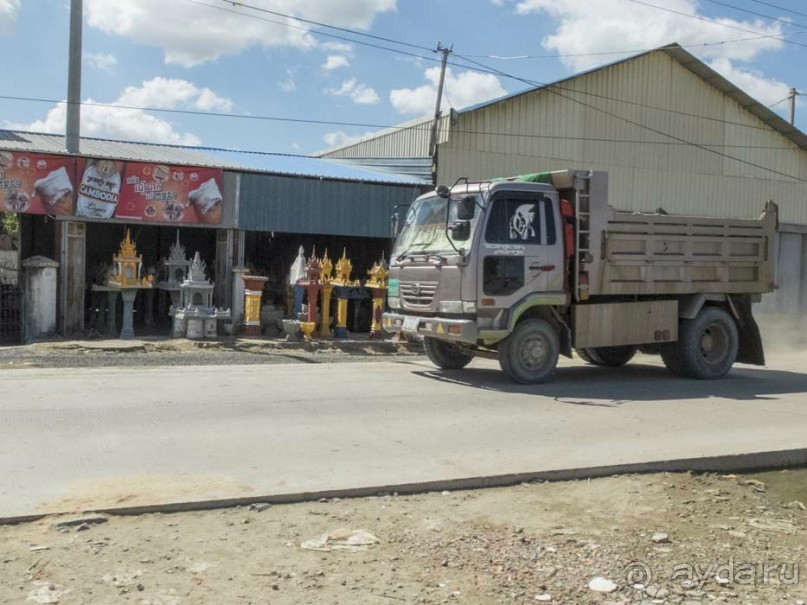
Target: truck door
x,y
522,248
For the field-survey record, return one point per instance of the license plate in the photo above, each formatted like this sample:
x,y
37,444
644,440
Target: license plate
x,y
410,324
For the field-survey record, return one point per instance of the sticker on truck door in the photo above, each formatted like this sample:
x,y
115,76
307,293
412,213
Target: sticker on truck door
x,y
521,223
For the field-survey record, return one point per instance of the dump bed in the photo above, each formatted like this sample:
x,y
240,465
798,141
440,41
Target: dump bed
x,y
627,253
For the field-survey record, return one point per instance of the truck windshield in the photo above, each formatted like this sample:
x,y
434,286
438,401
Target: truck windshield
x,y
424,230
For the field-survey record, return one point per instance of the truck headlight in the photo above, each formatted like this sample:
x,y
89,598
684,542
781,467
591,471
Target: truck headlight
x,y
469,307
394,302
450,306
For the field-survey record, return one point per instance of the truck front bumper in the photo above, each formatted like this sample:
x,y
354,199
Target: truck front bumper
x,y
453,330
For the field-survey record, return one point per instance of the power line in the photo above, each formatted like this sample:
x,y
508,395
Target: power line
x,y
713,22
622,52
477,68
755,13
318,33
425,126
787,98
319,24
781,8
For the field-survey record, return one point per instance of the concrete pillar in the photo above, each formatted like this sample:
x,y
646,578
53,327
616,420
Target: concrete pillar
x,y
237,300
40,281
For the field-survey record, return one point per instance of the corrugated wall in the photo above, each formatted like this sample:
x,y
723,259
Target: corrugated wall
x,y
309,205
409,141
542,130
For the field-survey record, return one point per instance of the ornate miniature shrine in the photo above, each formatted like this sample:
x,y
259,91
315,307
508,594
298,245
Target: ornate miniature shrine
x,y
127,266
174,270
196,317
378,284
125,278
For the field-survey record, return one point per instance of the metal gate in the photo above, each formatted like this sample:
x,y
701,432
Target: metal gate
x,y
10,307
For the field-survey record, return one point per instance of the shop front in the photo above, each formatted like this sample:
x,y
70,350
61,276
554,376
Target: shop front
x,y
77,211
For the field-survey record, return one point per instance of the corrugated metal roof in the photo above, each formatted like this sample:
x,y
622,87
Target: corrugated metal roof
x,y
420,168
240,161
696,66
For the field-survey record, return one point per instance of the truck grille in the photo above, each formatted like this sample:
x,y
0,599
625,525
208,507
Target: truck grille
x,y
418,293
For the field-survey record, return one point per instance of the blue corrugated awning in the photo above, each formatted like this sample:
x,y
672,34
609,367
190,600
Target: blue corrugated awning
x,y
232,160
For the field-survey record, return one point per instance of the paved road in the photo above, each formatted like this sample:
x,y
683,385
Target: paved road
x,y
72,439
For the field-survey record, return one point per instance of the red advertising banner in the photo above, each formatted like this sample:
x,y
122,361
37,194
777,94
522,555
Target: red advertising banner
x,y
137,191
33,183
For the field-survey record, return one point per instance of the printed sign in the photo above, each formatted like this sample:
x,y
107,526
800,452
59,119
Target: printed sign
x,y
137,191
32,183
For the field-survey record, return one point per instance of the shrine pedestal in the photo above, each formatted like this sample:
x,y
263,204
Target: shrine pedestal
x,y
253,290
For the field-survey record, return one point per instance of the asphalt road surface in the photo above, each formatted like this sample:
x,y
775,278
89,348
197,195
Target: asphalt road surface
x,y
76,439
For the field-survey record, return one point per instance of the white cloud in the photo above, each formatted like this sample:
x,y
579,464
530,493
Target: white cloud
x,y
339,47
335,62
766,90
102,61
190,34
288,84
115,122
162,93
359,93
585,27
8,12
339,138
464,89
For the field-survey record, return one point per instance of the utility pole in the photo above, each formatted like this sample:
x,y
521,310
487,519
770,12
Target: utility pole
x,y
436,123
793,94
73,126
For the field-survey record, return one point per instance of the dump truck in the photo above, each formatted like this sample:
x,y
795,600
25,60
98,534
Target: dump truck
x,y
527,268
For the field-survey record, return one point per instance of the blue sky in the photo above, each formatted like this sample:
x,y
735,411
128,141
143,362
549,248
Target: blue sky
x,y
211,56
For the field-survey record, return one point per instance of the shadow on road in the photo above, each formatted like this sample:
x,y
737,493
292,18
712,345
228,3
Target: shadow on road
x,y
610,387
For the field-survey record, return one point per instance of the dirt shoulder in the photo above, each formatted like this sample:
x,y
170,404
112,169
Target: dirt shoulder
x,y
659,538
180,351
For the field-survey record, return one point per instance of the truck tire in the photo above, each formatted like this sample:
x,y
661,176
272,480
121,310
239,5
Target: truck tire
x,y
608,356
529,355
584,355
446,355
707,345
669,355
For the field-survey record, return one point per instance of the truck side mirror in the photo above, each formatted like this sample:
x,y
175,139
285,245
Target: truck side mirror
x,y
460,230
393,224
466,208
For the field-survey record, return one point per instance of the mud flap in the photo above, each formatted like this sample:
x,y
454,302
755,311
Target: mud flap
x,y
750,346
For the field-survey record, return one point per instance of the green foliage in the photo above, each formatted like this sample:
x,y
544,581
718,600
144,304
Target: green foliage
x,y
10,224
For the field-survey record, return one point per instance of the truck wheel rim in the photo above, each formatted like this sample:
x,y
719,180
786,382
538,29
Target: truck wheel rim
x,y
533,352
714,344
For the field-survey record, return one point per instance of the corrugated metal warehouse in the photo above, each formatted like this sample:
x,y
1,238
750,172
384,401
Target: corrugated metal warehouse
x,y
671,132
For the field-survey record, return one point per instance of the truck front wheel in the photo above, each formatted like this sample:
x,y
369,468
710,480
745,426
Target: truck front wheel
x,y
446,355
529,355
707,345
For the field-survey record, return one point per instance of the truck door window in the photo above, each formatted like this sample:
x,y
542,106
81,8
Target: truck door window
x,y
521,220
502,275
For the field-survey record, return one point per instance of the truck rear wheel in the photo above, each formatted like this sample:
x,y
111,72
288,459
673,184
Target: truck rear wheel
x,y
584,355
707,345
608,356
446,355
529,355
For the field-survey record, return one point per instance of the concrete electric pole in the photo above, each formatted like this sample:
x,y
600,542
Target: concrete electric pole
x,y
73,126
436,123
793,94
